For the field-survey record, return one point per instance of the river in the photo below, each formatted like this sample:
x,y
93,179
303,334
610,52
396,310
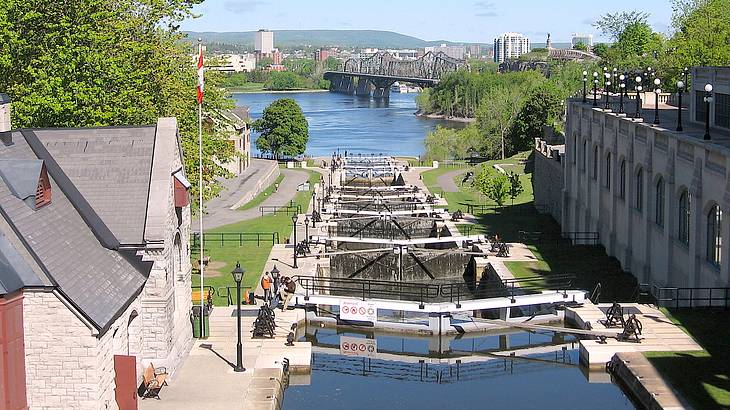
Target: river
x,y
346,122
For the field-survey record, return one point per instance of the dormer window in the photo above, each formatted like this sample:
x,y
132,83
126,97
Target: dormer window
x,y
43,192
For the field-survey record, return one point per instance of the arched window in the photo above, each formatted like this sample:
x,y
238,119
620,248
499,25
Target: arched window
x,y
714,235
659,206
608,171
640,190
684,213
575,148
622,180
585,154
595,163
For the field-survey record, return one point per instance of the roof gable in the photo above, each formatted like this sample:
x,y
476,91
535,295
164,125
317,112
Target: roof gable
x,y
21,175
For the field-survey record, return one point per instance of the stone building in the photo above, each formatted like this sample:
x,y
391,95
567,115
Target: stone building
x,y
94,228
239,135
657,197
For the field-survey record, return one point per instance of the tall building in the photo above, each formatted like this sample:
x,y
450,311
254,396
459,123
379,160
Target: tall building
x,y
321,54
457,52
509,46
264,42
586,39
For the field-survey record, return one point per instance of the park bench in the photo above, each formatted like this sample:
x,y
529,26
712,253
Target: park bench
x,y
208,293
154,379
457,215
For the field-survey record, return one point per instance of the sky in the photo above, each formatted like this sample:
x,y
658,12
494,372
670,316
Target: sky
x,y
452,20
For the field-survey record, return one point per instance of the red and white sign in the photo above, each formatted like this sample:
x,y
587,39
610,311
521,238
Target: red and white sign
x,y
358,310
356,346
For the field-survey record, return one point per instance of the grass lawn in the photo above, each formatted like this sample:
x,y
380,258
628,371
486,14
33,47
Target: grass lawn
x,y
702,377
252,257
246,88
261,197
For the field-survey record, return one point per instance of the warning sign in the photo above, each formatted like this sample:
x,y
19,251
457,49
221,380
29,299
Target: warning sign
x,y
356,346
358,310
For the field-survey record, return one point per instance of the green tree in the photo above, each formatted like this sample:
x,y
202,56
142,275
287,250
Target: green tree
x,y
82,63
701,34
285,80
515,186
601,49
580,46
283,128
496,115
613,24
542,107
492,184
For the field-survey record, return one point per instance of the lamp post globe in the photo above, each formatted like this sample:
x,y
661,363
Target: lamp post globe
x,y
238,273
638,80
680,88
657,91
595,88
708,99
294,219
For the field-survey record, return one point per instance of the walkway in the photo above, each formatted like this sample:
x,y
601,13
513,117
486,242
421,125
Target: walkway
x,y
220,214
446,180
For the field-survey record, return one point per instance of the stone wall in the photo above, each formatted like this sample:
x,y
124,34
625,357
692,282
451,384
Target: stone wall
x,y
547,178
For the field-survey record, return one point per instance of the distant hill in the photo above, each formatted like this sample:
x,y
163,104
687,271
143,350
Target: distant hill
x,y
323,38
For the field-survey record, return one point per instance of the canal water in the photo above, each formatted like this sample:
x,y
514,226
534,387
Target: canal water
x,y
367,371
346,122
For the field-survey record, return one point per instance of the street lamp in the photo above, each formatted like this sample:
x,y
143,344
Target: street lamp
x,y
314,202
680,88
238,277
638,96
294,222
621,89
306,228
606,86
615,84
708,100
657,91
595,89
585,80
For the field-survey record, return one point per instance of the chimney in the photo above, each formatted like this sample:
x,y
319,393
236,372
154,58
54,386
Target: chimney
x,y
6,135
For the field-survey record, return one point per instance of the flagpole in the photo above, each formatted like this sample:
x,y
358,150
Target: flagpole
x,y
200,202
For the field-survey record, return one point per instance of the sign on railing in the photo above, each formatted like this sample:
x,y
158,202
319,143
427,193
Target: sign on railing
x,y
359,311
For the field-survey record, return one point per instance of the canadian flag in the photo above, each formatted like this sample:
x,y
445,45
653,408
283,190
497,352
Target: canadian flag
x,y
200,74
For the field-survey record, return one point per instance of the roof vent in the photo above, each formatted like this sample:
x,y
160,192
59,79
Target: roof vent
x,y
27,180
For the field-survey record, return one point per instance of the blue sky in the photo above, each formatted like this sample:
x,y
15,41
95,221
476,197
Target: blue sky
x,y
455,20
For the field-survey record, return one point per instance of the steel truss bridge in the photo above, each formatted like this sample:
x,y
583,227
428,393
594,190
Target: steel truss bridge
x,y
377,73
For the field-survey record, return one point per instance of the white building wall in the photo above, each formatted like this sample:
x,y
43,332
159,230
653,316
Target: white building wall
x,y
264,41
652,252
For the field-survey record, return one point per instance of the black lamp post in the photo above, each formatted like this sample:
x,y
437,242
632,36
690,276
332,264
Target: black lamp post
x,y
314,202
585,80
638,96
708,100
595,89
657,91
238,277
294,222
621,89
615,84
606,86
306,228
680,88
685,73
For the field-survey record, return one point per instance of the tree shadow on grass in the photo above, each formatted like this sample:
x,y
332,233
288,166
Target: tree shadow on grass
x,y
703,378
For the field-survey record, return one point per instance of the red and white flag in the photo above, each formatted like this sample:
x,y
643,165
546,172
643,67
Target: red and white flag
x,y
200,74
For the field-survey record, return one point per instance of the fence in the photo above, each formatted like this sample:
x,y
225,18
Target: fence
x,y
520,209
574,238
234,237
690,297
290,209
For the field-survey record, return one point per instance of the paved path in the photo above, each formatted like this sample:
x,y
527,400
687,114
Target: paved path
x,y
446,181
222,215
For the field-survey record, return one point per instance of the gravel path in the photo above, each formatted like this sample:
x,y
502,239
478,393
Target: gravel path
x,y
446,181
287,189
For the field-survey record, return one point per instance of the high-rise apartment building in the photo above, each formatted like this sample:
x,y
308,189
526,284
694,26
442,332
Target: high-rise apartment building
x,y
264,41
509,46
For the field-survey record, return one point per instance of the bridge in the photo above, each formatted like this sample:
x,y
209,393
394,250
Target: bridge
x,y
376,74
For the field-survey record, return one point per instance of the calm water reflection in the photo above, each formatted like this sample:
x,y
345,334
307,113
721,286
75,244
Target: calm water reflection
x,y
355,371
354,124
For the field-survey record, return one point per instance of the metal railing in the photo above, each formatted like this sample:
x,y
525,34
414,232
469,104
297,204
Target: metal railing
x,y
290,209
687,297
424,292
368,289
222,238
575,238
520,209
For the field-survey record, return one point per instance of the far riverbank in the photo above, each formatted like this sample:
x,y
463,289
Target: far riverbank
x,y
445,117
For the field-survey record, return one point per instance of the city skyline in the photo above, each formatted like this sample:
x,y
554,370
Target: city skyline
x,y
467,21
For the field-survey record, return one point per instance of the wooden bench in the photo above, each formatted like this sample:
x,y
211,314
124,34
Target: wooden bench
x,y
154,379
208,293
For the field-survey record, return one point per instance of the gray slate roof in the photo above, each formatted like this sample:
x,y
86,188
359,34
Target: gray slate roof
x,y
100,281
15,272
21,175
111,167
4,98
